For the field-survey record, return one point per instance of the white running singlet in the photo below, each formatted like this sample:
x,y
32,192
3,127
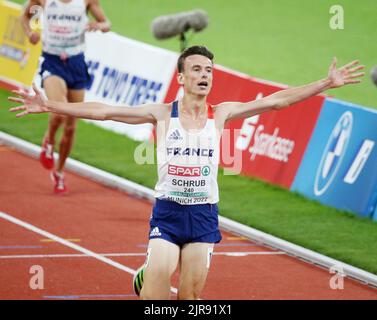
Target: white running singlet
x,y
64,27
187,162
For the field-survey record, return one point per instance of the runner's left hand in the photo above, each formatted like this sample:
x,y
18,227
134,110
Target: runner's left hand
x,y
345,75
30,103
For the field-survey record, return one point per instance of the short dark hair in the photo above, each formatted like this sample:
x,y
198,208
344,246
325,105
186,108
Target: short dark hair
x,y
201,50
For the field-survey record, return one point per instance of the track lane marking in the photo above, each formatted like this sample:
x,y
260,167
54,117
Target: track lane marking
x,y
71,245
50,240
85,296
35,256
68,255
20,247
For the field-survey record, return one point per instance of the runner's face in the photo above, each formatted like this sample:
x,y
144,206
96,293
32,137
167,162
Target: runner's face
x,y
197,75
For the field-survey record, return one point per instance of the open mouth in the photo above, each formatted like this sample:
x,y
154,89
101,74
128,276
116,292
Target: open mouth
x,y
203,84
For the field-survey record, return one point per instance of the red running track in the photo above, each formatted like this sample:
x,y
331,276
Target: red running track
x,y
110,222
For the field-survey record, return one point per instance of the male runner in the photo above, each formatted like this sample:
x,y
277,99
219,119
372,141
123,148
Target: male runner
x,y
64,72
184,223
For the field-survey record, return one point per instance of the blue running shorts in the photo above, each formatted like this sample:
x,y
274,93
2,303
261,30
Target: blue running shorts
x,y
72,70
181,224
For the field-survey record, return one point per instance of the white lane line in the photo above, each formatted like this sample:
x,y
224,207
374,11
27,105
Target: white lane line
x,y
44,256
250,253
70,245
66,243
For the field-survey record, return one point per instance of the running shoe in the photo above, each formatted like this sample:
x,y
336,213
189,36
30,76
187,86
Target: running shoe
x,y
138,280
46,156
58,179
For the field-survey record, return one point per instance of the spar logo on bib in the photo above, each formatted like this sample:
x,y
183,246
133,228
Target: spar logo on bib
x,y
188,171
184,171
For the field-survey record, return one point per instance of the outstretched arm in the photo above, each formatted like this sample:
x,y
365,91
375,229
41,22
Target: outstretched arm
x,y
336,78
34,104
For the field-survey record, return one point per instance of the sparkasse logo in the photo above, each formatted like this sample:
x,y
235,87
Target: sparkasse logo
x,y
259,143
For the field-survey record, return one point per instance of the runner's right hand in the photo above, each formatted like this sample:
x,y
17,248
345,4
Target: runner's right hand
x,y
30,103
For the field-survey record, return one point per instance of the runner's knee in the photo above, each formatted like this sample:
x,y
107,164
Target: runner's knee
x,y
191,286
56,120
192,293
156,284
69,129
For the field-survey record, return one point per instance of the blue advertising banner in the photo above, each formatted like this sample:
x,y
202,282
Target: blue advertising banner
x,y
339,167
